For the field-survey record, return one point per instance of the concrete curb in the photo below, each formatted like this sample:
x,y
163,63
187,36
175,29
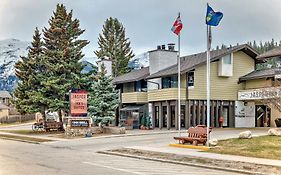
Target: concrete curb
x,y
137,134
182,163
203,148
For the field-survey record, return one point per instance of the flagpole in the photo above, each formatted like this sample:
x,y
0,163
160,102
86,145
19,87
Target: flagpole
x,y
208,81
179,86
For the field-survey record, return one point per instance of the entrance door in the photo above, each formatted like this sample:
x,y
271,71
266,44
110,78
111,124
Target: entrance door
x,y
156,122
262,116
225,114
182,116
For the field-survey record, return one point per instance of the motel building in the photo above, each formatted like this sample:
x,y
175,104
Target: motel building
x,y
236,90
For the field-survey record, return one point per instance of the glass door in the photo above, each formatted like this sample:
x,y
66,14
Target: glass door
x,y
225,114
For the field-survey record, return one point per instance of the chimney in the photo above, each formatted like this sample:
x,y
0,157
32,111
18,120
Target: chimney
x,y
158,47
107,64
171,47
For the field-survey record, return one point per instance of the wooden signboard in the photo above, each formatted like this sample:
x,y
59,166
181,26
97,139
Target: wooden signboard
x,y
78,103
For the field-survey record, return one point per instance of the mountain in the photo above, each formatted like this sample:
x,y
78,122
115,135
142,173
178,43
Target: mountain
x,y
139,61
10,52
12,49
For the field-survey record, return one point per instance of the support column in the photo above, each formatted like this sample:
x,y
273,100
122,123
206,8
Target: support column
x,y
160,116
187,119
153,116
176,115
168,115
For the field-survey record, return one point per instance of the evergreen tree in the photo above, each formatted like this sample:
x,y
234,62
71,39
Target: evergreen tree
x,y
62,50
114,45
26,68
103,98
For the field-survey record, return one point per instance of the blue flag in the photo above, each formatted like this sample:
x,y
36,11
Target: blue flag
x,y
213,18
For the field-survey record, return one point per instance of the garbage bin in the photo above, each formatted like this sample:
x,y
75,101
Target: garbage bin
x,y
278,122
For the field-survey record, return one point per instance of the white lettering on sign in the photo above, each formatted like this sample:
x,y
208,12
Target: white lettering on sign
x,y
259,94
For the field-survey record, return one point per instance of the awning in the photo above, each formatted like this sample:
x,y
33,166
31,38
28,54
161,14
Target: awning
x,y
131,108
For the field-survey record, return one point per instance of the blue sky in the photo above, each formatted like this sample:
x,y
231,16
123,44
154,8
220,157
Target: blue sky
x,y
148,22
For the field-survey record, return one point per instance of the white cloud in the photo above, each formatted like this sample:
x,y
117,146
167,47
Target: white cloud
x,y
148,22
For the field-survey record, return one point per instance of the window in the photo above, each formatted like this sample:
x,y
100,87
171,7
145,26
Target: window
x,y
190,79
140,86
170,82
227,59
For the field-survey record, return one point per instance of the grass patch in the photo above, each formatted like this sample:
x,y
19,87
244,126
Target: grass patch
x,y
261,147
31,132
23,138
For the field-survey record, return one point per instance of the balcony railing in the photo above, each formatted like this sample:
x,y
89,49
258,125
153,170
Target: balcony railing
x,y
134,97
166,94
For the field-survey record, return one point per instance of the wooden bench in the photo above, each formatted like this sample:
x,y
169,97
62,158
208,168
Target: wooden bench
x,y
53,125
196,135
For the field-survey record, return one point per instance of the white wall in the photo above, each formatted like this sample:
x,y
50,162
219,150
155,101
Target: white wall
x,y
244,115
108,66
161,59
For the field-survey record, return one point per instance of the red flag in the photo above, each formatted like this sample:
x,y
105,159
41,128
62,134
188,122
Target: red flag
x,y
177,26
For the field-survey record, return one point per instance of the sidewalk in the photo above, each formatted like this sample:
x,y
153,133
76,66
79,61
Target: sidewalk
x,y
196,153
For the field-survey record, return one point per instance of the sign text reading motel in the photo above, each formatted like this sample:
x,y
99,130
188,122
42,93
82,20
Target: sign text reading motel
x,y
259,94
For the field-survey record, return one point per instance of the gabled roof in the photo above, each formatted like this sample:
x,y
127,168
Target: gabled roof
x,y
191,61
5,94
264,73
271,53
132,76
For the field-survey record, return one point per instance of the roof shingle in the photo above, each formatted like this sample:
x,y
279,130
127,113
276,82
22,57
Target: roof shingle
x,y
271,53
191,61
132,76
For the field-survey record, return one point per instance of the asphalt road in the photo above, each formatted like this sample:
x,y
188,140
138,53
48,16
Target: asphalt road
x,y
79,157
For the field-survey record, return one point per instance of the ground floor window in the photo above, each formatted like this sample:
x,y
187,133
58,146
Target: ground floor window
x,y
182,116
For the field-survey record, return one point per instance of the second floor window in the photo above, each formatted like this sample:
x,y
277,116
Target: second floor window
x,y
190,79
170,82
140,86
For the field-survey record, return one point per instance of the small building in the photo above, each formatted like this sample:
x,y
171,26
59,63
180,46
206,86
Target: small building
x,y
156,87
260,99
4,110
5,97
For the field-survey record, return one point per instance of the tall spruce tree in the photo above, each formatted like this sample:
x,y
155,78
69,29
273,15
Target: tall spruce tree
x,y
26,69
62,50
103,98
114,45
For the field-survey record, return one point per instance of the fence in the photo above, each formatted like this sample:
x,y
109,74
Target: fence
x,y
17,118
